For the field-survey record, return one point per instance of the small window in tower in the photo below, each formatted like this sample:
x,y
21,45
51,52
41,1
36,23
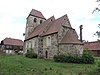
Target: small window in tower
x,y
41,21
35,19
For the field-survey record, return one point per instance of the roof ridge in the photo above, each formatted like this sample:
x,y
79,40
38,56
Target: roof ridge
x,y
64,35
36,13
92,42
62,17
12,38
73,39
36,10
48,25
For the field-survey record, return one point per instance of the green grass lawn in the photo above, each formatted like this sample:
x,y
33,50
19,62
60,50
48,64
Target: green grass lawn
x,y
20,65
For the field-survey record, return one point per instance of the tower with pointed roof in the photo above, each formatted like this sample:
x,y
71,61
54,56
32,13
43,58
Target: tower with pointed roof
x,y
34,19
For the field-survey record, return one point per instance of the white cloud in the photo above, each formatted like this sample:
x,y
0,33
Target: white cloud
x,y
13,15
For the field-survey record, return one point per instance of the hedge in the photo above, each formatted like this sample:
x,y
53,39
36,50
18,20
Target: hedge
x,y
86,58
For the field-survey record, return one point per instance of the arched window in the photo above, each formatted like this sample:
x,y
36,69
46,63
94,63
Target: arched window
x,y
41,21
49,41
35,19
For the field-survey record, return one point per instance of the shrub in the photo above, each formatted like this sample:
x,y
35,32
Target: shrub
x,y
64,58
86,58
31,54
58,58
98,67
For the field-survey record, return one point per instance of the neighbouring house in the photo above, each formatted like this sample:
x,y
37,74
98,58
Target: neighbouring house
x,y
11,46
93,47
49,37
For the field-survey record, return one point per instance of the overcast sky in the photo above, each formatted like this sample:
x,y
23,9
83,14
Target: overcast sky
x,y
13,15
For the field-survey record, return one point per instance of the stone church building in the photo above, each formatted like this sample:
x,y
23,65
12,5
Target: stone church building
x,y
49,37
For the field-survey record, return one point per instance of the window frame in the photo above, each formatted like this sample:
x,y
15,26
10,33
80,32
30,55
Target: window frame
x,y
35,20
33,43
41,21
48,41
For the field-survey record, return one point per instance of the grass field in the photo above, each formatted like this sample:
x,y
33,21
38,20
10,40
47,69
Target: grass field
x,y
20,65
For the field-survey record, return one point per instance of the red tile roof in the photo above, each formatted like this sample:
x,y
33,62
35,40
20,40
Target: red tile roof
x,y
11,41
40,29
36,13
51,26
56,25
70,38
92,45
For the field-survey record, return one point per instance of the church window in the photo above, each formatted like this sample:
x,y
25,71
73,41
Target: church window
x,y
48,41
35,19
10,46
30,44
41,21
33,43
7,46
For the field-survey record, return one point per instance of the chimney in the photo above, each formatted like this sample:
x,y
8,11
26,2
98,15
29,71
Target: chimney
x,y
81,27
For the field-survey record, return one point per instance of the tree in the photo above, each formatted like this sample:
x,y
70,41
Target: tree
x,y
96,9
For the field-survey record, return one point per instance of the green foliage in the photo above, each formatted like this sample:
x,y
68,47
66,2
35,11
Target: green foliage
x,y
60,58
86,58
66,58
31,54
95,71
98,67
20,65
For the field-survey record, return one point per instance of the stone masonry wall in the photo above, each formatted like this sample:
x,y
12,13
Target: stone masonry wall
x,y
30,24
51,50
61,33
32,44
68,48
71,49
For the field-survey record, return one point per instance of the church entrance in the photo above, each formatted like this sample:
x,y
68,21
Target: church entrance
x,y
46,54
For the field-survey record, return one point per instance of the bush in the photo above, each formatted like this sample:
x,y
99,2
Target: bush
x,y
60,58
66,58
31,54
98,67
86,58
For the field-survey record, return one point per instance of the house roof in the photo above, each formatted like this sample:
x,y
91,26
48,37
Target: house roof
x,y
92,45
11,41
50,26
56,25
36,13
70,38
40,29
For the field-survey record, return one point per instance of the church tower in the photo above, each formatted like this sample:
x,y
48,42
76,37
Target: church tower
x,y
34,19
